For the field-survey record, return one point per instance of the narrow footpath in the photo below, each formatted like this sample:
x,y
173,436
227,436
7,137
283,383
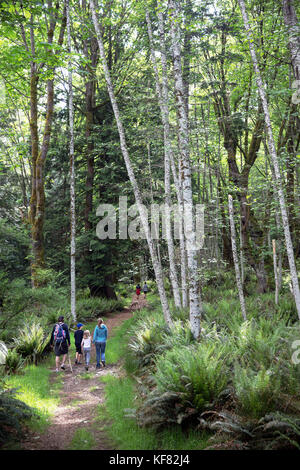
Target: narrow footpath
x,y
80,398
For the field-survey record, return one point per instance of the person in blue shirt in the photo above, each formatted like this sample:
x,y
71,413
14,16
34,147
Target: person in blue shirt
x,y
99,340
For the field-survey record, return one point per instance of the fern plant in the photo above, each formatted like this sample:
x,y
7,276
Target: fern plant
x,y
257,392
13,362
31,341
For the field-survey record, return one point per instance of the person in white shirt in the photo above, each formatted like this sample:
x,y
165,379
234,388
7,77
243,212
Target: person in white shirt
x,y
86,345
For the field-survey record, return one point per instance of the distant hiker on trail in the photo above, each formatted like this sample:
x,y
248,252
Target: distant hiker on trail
x,y
78,335
61,338
138,290
99,339
86,347
145,289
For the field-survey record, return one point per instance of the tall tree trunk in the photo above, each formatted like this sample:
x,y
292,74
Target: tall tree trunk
x,y
72,173
185,174
162,94
292,24
183,261
38,155
275,271
273,153
235,258
156,265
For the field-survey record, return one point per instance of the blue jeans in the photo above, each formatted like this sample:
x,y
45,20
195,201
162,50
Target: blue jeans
x,y
87,355
100,352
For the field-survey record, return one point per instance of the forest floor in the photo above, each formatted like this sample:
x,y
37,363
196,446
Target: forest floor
x,y
80,396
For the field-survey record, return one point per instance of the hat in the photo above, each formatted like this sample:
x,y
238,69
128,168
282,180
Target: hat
x,y
79,325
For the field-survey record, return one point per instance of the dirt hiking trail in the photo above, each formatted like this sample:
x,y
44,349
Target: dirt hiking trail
x,y
79,397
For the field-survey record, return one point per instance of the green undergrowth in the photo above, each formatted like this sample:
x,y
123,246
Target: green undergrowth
x,y
120,394
35,390
120,404
82,440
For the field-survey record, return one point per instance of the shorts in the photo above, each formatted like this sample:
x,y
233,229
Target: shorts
x,y
61,348
78,348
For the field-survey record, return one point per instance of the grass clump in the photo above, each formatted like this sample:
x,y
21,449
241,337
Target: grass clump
x,y
128,435
82,440
33,389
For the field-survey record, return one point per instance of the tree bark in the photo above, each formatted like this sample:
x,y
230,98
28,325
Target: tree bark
x,y
185,174
273,153
183,261
292,24
156,265
162,94
38,155
72,173
235,258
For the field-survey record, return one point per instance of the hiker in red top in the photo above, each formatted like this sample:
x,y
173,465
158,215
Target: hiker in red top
x,y
138,290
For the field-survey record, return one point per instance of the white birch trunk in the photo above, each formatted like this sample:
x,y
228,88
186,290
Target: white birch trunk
x,y
190,234
72,172
144,220
183,261
235,258
162,94
273,153
275,271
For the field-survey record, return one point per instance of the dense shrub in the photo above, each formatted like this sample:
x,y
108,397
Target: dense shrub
x,y
13,362
13,413
199,373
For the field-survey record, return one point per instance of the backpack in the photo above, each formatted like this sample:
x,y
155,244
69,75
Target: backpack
x,y
59,333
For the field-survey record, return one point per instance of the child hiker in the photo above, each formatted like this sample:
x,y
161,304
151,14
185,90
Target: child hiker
x,y
86,347
78,335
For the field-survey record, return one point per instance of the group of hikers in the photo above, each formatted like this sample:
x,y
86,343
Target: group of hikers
x,y
60,338
138,289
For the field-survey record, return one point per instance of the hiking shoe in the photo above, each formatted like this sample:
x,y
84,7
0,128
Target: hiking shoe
x,y
86,367
63,367
98,366
57,370
103,363
76,362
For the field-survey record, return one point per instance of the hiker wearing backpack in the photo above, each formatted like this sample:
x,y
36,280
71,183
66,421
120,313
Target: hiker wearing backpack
x,y
60,337
99,339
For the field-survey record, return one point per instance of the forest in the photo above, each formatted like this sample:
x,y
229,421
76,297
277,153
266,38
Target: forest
x,y
156,142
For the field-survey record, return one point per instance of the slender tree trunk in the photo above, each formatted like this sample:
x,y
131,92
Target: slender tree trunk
x,y
275,271
72,172
162,94
293,27
183,261
156,265
235,258
273,153
185,172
